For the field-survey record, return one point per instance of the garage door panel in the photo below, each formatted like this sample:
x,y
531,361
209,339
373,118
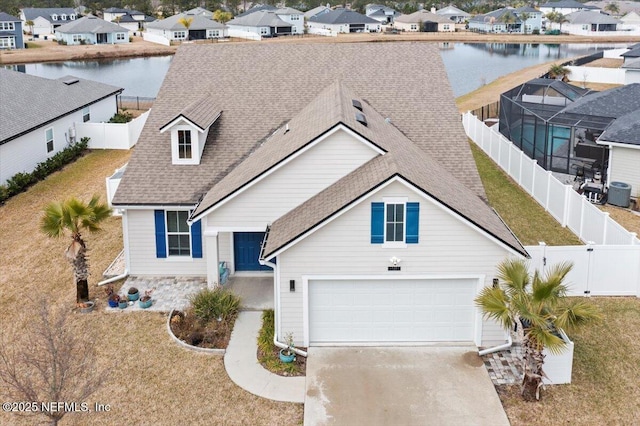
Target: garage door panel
x,y
353,311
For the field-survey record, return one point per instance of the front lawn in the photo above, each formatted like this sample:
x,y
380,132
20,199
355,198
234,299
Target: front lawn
x,y
154,380
526,218
606,368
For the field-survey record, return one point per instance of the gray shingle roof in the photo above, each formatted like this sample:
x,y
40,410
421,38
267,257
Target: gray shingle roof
x,y
260,87
611,103
498,16
46,101
625,129
451,10
567,4
403,159
315,11
633,53
261,18
342,16
198,22
257,8
527,9
32,13
422,16
202,112
587,17
90,24
5,17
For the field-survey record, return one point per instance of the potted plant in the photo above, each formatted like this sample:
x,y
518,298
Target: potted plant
x,y
85,307
112,297
145,301
133,294
123,302
288,355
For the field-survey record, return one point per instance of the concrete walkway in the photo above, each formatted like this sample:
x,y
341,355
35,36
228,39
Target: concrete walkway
x,y
243,368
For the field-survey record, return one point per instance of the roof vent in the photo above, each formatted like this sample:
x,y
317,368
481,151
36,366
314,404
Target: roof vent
x,y
361,118
356,104
70,81
388,120
286,128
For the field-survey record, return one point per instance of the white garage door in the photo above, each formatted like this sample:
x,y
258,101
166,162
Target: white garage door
x,y
369,311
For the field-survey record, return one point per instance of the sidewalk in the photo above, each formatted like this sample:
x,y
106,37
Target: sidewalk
x,y
243,368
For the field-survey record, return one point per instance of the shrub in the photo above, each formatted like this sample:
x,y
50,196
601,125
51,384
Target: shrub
x,y
21,181
536,32
265,337
121,117
214,304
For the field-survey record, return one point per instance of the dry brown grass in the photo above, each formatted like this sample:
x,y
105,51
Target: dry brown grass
x,y
605,63
164,384
629,220
606,367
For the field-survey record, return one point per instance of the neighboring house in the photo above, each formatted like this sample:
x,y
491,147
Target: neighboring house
x,y
11,36
566,7
200,11
454,14
587,23
200,28
368,213
503,20
130,19
383,14
533,21
291,16
39,116
630,21
344,21
264,23
424,21
316,11
625,6
567,128
631,55
46,20
92,30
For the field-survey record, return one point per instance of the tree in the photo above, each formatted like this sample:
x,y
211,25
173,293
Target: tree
x,y
509,19
557,18
74,217
48,362
539,309
524,17
612,8
557,70
186,22
29,23
222,16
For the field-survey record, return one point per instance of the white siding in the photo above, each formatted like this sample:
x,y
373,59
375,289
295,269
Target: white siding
x,y
293,184
447,247
142,250
625,167
224,247
24,153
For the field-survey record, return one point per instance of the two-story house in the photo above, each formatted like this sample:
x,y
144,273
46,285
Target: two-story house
x,y
46,20
10,32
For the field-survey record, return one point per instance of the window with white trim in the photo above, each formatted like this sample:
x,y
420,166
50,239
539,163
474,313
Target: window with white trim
x,y
184,144
178,235
264,31
120,36
49,138
6,26
295,17
54,17
213,33
446,27
414,27
63,17
77,38
7,42
86,114
72,16
179,35
394,222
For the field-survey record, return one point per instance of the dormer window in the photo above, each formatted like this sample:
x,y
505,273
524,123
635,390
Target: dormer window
x,y
63,17
184,144
54,17
72,17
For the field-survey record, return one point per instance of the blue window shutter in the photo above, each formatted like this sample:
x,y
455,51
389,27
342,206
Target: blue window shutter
x,y
377,223
161,241
196,240
413,219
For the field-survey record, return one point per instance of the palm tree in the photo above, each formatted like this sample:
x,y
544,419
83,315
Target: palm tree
x,y
524,17
508,18
73,216
540,307
557,18
29,23
612,8
557,70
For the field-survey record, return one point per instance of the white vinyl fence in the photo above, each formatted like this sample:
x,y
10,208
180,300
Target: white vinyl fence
x,y
322,32
597,75
568,207
112,135
156,38
598,270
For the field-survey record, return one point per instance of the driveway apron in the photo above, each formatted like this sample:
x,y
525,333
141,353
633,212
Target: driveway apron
x,y
400,386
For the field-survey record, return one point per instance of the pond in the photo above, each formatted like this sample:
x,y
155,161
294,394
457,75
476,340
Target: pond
x,y
469,65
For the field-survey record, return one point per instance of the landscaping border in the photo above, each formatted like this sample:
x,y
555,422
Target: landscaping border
x,y
209,351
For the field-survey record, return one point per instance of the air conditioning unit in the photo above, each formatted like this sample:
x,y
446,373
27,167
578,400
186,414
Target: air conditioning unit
x,y
72,135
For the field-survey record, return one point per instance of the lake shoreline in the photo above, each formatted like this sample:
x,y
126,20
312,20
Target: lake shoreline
x,y
50,51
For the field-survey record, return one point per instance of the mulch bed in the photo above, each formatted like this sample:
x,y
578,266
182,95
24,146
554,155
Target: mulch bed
x,y
195,332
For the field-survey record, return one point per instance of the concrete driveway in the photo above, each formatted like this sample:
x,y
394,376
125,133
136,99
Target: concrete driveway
x,y
403,386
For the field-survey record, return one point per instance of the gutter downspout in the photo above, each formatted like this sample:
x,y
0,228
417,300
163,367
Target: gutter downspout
x,y
497,348
116,278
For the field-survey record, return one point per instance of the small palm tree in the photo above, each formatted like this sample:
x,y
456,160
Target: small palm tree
x,y
538,307
524,17
508,19
612,8
74,217
558,71
29,23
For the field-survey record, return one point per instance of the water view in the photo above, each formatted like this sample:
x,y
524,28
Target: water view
x,y
469,65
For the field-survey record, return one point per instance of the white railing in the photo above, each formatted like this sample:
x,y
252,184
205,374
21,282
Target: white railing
x,y
112,135
570,209
598,270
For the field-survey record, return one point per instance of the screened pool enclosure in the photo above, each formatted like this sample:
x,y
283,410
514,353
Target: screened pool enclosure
x,y
536,116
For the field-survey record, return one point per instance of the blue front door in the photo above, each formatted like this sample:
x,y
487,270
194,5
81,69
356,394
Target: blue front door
x,y
246,247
